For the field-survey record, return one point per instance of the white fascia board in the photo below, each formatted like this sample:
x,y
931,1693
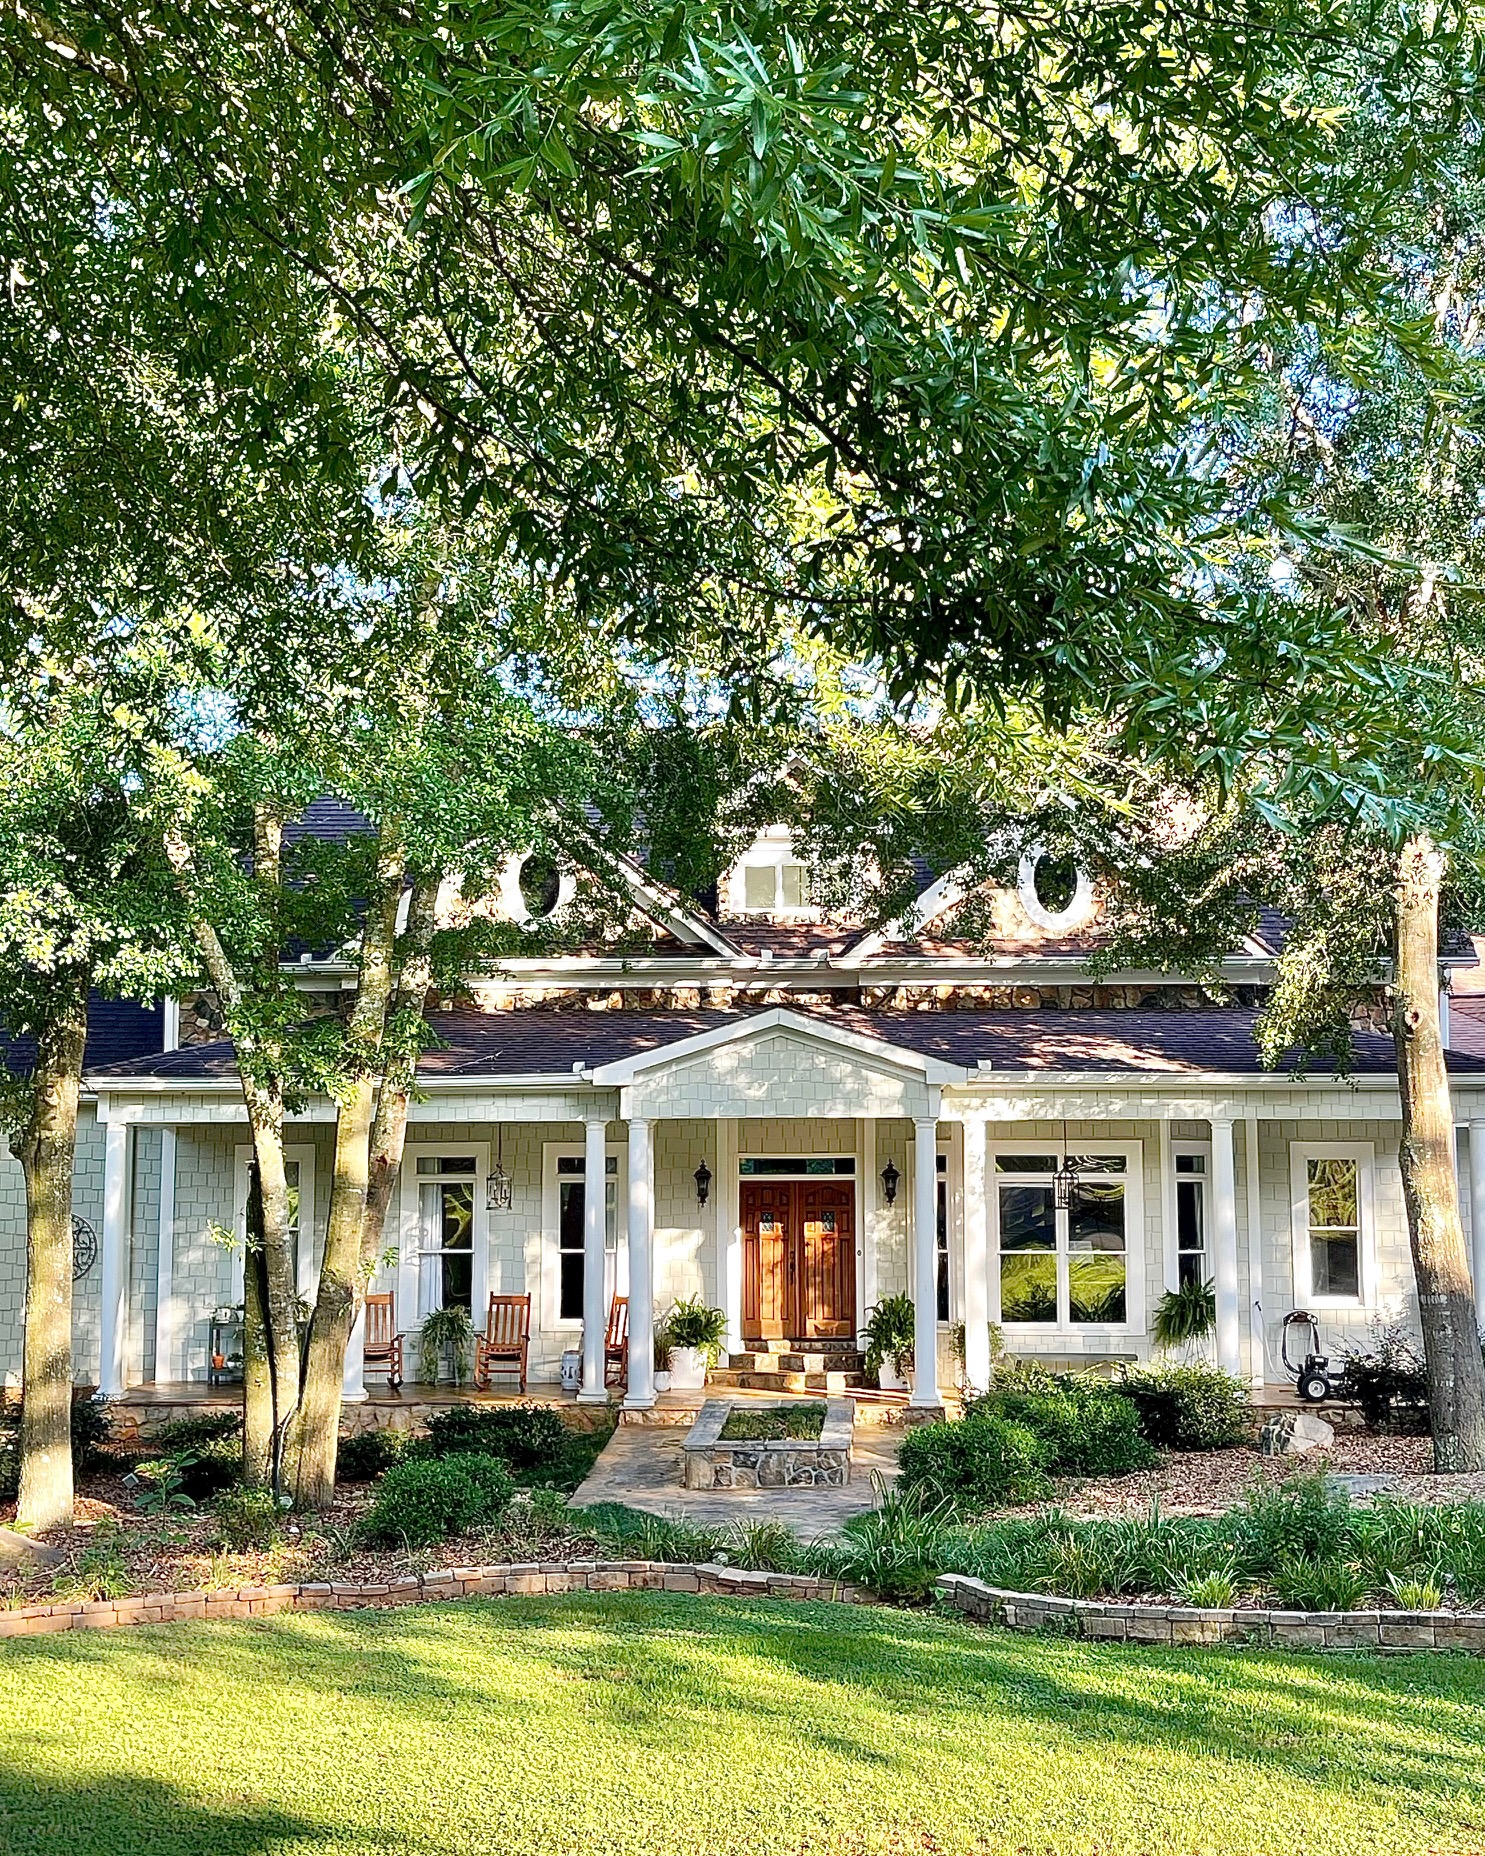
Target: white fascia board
x,y
944,893
994,1080
602,971
780,1018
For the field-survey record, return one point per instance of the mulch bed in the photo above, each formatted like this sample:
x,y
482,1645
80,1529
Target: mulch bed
x,y
183,1551
1210,1482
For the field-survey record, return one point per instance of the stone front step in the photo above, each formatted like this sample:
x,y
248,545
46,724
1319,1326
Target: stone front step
x,y
821,1381
802,1359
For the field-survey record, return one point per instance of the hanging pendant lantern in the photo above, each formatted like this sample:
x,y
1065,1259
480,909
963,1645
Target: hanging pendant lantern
x,y
1065,1179
498,1182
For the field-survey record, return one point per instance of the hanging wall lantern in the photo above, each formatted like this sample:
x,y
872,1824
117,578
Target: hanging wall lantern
x,y
703,1183
498,1182
890,1179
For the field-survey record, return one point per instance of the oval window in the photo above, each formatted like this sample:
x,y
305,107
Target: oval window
x,y
540,883
1054,891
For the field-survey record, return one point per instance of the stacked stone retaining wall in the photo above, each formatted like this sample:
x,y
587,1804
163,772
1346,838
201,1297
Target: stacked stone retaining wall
x,y
254,1601
1186,1624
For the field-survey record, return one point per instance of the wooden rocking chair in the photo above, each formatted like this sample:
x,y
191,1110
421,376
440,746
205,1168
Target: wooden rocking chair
x,y
616,1343
383,1344
506,1338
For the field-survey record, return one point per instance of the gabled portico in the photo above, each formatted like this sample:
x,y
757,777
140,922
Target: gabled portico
x,y
777,1065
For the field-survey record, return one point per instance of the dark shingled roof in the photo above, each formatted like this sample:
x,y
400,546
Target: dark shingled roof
x,y
549,1043
118,1031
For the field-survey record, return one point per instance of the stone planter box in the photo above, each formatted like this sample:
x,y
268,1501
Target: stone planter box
x,y
782,1463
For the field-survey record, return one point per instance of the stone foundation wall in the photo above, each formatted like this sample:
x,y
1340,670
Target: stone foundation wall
x,y
1186,1624
255,1601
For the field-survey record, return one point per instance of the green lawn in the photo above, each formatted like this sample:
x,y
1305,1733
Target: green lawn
x,y
688,1726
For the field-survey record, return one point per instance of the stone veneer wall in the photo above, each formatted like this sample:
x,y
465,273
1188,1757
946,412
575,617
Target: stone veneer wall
x,y
251,1601
1186,1624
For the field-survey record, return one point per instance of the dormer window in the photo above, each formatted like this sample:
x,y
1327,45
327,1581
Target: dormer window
x,y
771,878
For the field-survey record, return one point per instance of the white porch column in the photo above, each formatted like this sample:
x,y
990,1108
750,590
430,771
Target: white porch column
x,y
1477,1217
641,1393
114,1272
168,1365
729,1235
976,1259
595,1219
1257,1365
925,1263
871,1199
353,1375
1225,1244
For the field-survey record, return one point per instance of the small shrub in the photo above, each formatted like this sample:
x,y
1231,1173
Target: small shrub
x,y
160,1487
1387,1383
422,1502
210,1427
248,1518
1307,1582
363,1457
1089,1428
526,1437
1188,1407
1303,1520
978,1462
101,1572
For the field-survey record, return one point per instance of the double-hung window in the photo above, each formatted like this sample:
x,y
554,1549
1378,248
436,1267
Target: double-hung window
x,y
1332,1187
446,1187
1062,1265
1192,1263
299,1172
572,1197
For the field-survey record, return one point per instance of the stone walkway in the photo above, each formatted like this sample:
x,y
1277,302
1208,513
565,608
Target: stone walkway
x,y
641,1467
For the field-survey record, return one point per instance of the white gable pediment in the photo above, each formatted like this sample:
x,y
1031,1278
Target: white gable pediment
x,y
780,1063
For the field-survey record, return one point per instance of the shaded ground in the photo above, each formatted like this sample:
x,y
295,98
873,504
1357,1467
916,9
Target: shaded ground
x,y
641,1467
636,1725
1212,1481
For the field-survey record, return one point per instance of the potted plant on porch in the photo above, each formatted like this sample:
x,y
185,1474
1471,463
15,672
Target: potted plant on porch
x,y
889,1334
445,1346
695,1333
662,1356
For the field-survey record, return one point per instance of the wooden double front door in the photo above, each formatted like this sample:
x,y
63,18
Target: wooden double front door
x,y
799,1259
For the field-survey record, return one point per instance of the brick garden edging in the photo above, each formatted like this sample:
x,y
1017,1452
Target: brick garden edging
x,y
255,1601
1186,1624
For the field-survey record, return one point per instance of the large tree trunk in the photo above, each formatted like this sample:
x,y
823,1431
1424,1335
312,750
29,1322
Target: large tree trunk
x,y
1446,1305
46,1152
337,1300
271,1352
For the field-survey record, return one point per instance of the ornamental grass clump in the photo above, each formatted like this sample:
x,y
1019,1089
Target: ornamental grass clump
x,y
897,1549
421,1503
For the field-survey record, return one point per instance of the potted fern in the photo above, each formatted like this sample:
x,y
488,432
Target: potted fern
x,y
1185,1314
695,1333
889,1333
445,1346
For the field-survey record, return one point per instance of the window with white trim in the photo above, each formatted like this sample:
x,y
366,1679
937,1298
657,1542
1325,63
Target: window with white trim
x,y
941,1237
1062,1266
1332,1185
445,1210
572,1201
299,1176
1192,1262
770,878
